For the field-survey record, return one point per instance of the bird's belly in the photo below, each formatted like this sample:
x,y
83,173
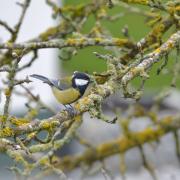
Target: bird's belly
x,y
66,96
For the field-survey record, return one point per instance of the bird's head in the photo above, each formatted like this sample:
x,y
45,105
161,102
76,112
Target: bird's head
x,y
80,81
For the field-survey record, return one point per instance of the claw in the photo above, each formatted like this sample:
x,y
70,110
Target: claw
x,y
113,121
107,120
70,109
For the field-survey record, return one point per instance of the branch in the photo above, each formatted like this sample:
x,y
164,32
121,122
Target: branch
x,y
154,36
71,42
120,145
6,26
20,21
152,58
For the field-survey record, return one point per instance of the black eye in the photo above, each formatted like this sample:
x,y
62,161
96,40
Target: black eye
x,y
75,72
80,75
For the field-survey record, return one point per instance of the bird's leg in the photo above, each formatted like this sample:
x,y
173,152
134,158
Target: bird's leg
x,y
70,110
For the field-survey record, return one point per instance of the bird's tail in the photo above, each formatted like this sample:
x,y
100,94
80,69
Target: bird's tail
x,y
42,78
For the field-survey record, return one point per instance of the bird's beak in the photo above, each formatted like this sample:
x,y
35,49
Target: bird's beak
x,y
91,81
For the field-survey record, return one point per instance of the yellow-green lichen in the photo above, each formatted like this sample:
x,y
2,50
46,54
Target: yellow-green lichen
x,y
6,132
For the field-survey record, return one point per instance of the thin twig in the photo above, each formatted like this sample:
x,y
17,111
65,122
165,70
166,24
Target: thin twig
x,y
6,26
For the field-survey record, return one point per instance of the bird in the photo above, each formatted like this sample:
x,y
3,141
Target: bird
x,y
69,89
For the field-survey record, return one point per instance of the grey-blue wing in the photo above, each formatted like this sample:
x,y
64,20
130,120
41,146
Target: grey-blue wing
x,y
61,84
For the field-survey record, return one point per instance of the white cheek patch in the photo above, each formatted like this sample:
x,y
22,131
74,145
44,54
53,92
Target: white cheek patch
x,y
81,82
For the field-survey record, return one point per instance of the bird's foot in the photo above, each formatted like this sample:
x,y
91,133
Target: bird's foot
x,y
107,120
70,109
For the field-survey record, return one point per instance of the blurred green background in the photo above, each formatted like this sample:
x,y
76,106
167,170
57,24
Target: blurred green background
x,y
85,60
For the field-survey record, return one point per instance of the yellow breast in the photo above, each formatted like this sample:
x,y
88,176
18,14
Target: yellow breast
x,y
67,96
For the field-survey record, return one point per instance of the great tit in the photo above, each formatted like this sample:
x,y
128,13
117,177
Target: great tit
x,y
69,89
